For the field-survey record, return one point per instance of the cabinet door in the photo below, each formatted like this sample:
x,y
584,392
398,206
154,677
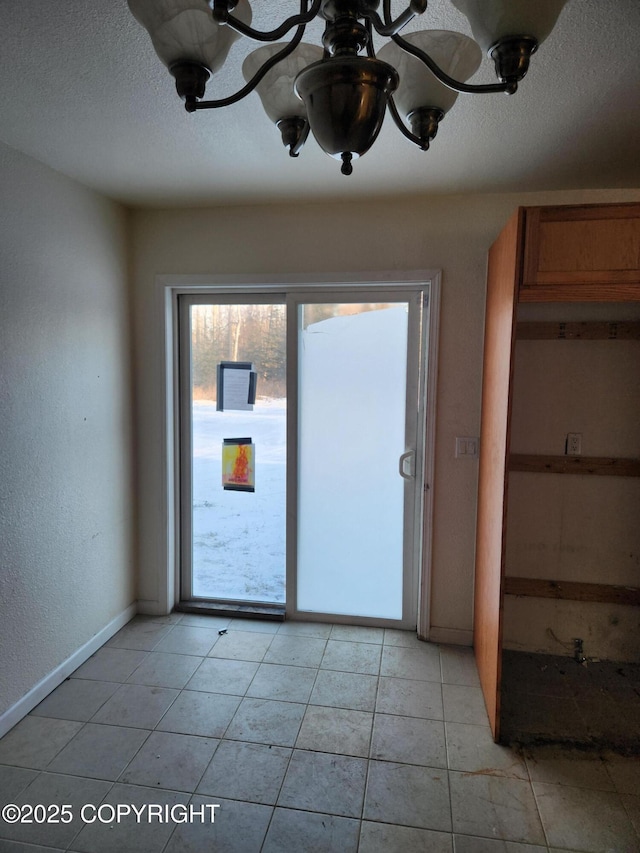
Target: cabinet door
x,y
503,275
588,252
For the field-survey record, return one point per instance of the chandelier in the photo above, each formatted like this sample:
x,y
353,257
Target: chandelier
x,y
341,91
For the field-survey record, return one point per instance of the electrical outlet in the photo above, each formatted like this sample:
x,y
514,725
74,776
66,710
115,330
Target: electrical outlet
x,y
573,445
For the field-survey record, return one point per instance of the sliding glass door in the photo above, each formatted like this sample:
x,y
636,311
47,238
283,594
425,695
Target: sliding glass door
x,y
301,448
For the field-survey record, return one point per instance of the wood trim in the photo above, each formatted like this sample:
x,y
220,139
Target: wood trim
x,y
604,466
573,591
601,292
503,275
576,212
531,247
582,279
589,331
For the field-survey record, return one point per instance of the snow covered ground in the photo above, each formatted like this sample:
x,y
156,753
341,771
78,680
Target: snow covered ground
x,y
239,537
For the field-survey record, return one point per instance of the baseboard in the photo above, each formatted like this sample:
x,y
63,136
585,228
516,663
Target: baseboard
x,y
146,607
41,690
451,636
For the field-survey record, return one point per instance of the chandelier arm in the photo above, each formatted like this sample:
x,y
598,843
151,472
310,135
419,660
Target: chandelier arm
x,y
395,115
295,149
371,51
390,27
304,17
192,106
404,130
467,88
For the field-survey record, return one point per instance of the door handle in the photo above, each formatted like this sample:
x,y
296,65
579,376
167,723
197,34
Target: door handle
x,y
408,455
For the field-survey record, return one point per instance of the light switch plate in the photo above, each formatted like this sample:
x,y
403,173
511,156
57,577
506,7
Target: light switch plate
x,y
467,447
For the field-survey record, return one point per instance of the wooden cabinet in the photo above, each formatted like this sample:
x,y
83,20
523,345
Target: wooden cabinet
x,y
583,253
556,254
502,285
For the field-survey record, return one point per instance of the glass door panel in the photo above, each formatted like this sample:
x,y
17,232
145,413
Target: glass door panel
x,y
234,538
336,496
352,431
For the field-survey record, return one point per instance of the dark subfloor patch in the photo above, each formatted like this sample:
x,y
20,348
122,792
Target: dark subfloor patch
x,y
547,699
273,612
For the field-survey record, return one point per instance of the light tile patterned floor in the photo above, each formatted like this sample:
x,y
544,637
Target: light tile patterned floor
x,y
312,738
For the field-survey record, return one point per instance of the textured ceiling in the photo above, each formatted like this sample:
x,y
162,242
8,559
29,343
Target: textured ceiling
x,y
82,90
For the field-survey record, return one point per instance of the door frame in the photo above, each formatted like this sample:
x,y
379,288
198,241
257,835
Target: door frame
x,y
169,287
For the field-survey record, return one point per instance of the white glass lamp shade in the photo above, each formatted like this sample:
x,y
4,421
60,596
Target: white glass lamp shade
x,y
458,56
492,20
184,30
276,87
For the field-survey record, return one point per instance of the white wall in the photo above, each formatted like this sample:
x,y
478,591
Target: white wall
x,y
66,496
575,528
452,233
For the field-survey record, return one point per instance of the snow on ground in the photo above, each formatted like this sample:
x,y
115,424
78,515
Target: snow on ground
x,y
239,537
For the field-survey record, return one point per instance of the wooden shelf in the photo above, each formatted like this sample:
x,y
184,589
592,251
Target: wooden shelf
x,y
591,331
603,466
572,591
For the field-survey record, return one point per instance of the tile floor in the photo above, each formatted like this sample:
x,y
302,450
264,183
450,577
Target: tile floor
x,y
310,738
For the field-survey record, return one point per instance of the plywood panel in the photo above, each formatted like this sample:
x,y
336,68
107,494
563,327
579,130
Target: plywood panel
x,y
573,591
584,331
503,275
603,466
